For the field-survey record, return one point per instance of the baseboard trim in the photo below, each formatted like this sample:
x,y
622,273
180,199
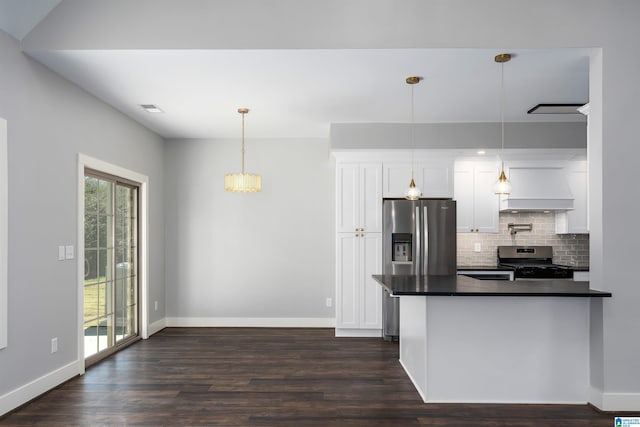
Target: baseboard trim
x,y
257,322
608,402
365,333
23,394
156,326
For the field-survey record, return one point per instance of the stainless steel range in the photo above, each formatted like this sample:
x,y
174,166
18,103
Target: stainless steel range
x,y
532,262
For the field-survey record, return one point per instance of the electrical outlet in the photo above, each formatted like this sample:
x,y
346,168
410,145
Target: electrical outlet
x,y
54,345
329,302
477,247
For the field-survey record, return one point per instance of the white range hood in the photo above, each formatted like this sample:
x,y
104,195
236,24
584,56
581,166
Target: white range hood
x,y
537,189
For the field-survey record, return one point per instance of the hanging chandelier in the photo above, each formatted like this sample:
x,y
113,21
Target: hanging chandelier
x,y
413,192
502,185
242,182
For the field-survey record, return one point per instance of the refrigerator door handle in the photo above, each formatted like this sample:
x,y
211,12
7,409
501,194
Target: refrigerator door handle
x,y
417,233
425,256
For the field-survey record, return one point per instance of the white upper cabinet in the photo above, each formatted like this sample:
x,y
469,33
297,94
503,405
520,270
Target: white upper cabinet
x,y
463,194
577,220
359,197
476,204
434,178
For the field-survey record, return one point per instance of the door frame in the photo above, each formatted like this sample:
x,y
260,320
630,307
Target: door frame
x,y
85,161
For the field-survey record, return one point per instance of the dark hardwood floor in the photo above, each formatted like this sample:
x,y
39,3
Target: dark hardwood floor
x,y
266,377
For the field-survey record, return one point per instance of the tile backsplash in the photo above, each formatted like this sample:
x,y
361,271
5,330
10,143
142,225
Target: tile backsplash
x,y
568,249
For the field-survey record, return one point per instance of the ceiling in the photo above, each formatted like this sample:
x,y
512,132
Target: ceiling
x,y
298,93
18,17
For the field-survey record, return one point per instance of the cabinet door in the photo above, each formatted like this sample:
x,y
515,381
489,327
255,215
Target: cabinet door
x,y
396,179
347,197
436,178
347,280
370,291
576,220
477,205
486,202
359,197
464,195
370,192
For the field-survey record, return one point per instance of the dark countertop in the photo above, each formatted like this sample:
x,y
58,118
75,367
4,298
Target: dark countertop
x,y
456,285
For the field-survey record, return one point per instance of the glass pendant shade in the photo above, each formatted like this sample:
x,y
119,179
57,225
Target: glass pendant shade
x,y
242,182
413,192
502,185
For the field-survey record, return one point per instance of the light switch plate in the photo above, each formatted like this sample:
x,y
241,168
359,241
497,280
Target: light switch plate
x,y
69,253
477,247
61,253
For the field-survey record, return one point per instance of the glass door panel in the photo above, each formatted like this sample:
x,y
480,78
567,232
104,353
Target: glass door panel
x,y
125,249
111,279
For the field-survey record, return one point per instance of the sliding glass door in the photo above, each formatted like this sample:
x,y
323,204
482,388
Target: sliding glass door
x,y
111,264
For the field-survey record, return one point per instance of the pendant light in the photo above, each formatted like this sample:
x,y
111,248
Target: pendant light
x,y
502,185
413,192
242,182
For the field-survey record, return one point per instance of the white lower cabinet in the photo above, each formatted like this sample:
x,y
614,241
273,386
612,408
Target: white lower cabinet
x,y
358,296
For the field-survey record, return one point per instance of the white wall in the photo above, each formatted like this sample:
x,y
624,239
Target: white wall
x,y
249,259
49,121
4,229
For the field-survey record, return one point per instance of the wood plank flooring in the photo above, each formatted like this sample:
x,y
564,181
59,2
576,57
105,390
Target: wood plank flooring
x,y
266,377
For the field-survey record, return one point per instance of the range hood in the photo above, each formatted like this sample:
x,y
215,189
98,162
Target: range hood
x,y
537,189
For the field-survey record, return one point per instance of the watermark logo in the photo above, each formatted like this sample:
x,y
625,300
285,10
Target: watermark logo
x,y
627,421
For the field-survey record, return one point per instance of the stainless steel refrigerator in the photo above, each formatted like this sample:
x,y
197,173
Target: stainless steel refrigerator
x,y
418,238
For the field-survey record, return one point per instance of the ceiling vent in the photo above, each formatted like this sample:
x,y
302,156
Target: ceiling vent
x,y
555,109
150,108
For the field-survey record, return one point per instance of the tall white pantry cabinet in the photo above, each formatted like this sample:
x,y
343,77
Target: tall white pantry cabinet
x,y
358,248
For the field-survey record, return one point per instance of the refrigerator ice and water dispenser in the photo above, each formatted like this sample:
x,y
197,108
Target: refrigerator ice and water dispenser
x,y
402,244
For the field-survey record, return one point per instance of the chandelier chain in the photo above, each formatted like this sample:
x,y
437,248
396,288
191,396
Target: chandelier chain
x,y
243,113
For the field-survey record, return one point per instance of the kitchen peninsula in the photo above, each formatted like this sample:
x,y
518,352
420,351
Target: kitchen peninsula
x,y
468,340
